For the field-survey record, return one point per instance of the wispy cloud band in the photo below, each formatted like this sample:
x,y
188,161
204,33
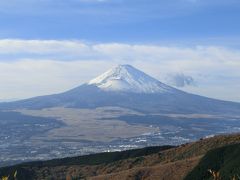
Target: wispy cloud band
x,y
36,67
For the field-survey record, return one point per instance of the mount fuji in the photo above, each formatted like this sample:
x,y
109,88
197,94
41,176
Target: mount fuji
x,y
126,78
127,87
118,110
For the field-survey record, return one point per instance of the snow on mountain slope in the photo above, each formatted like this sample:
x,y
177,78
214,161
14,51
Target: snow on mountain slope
x,y
128,79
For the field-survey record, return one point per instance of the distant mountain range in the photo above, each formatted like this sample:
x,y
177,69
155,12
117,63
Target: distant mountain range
x,y
127,87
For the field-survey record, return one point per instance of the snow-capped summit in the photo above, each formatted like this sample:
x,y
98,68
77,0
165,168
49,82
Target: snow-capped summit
x,y
129,79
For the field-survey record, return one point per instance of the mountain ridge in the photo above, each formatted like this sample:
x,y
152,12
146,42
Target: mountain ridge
x,y
91,96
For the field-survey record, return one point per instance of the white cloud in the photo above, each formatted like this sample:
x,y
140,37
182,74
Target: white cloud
x,y
180,80
40,67
41,46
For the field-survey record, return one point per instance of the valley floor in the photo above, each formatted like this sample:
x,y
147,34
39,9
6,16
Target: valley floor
x,y
64,132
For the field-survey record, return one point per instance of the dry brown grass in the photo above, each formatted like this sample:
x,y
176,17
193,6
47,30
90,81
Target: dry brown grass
x,y
169,164
174,171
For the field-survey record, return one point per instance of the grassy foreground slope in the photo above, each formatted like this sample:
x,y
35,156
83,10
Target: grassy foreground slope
x,y
149,163
225,160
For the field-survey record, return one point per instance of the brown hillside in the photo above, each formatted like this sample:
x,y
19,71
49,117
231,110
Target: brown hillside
x,y
172,164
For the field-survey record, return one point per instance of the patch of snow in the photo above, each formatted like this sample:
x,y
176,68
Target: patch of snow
x,y
209,136
129,79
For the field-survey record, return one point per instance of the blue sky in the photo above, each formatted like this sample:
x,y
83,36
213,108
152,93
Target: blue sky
x,y
151,21
49,46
